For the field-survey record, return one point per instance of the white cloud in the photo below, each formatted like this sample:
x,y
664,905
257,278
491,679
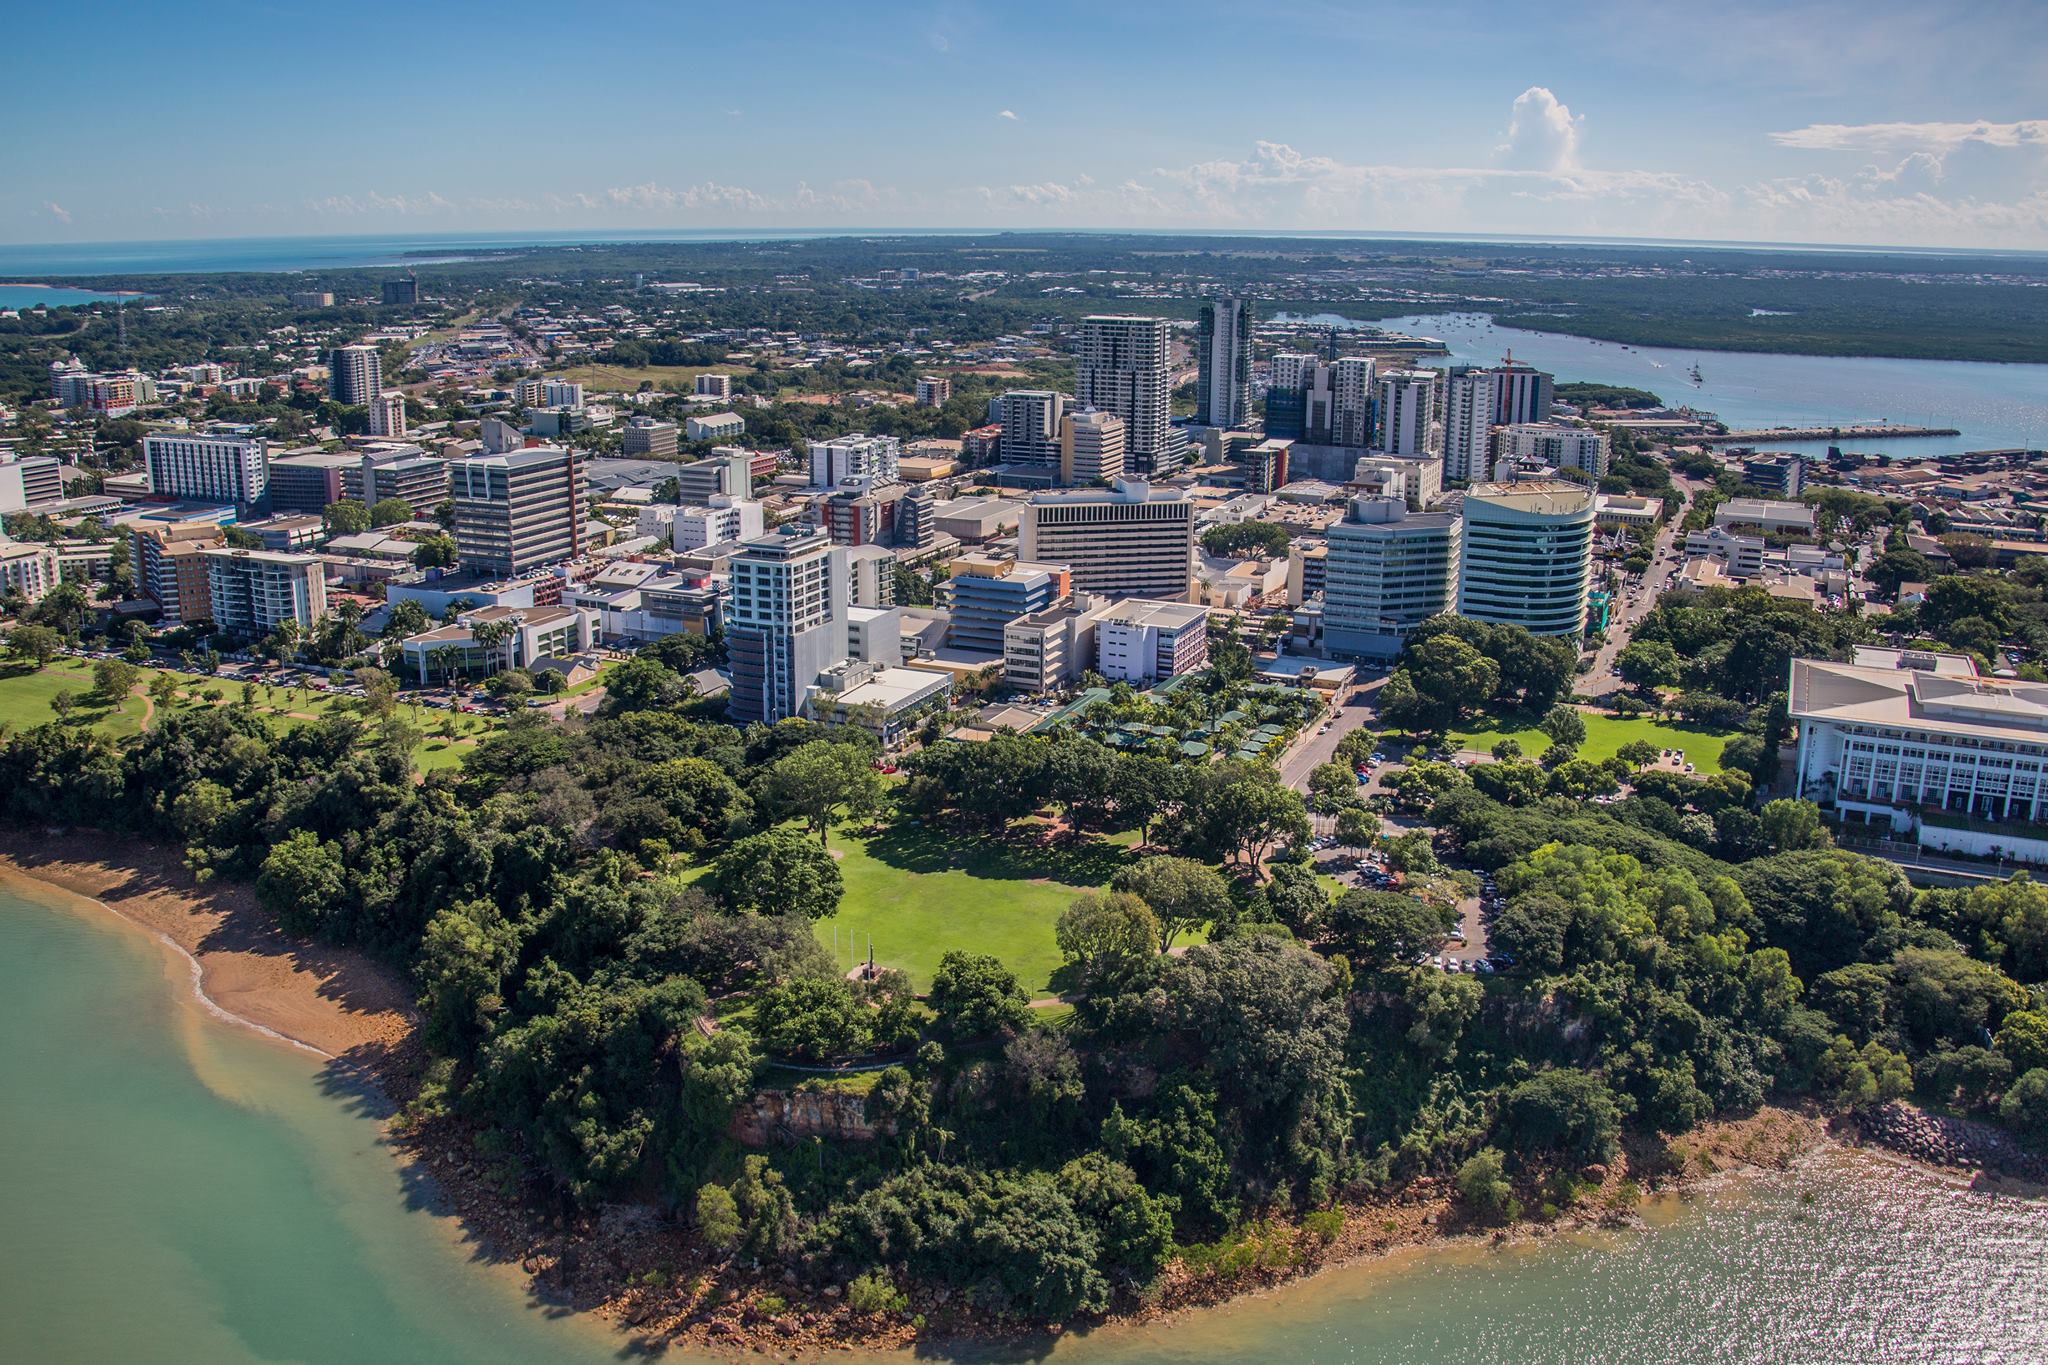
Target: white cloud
x,y
1895,137
709,195
1010,114
58,211
1542,134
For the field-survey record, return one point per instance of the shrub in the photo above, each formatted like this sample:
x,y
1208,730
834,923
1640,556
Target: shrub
x,y
875,1293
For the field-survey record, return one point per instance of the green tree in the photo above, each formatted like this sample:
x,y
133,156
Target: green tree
x,y
975,995
302,882
642,685
346,517
822,782
434,552
2023,1038
1357,827
1379,931
1565,726
779,872
390,511
812,1018
1184,894
1331,787
1649,664
2025,1107
113,680
1567,1114
1111,936
1787,826
1483,1183
718,1218
34,644
1437,682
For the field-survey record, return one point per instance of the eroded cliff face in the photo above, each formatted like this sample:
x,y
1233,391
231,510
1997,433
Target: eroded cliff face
x,y
790,1115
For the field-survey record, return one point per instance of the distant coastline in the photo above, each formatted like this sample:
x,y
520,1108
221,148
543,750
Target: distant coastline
x,y
286,255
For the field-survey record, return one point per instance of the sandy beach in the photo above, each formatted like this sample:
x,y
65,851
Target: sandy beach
x,y
333,1000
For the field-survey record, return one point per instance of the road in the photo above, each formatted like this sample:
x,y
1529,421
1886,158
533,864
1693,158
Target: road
x,y
1626,616
1316,748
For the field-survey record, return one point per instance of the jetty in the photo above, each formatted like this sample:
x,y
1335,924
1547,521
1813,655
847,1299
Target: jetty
x,y
1863,431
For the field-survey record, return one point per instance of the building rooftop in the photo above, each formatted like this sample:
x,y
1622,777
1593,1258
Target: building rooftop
x,y
1537,497
1919,690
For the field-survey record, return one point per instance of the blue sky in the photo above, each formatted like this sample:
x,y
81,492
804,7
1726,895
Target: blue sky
x,y
1875,122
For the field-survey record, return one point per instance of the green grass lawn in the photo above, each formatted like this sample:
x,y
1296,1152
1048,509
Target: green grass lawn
x,y
25,699
1604,736
25,703
922,893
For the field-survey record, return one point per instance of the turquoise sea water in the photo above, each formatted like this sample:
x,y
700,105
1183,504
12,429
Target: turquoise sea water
x,y
178,1190
53,296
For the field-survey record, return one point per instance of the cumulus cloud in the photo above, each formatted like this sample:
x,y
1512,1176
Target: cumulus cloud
x,y
1895,137
57,211
1010,114
709,195
1542,134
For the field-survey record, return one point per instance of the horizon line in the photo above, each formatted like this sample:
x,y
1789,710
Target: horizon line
x,y
652,235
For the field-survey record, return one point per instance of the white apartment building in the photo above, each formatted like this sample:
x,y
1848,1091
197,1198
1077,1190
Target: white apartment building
x,y
1407,412
1385,572
1145,642
856,461
1124,365
1556,445
1918,745
714,386
1290,369
788,621
1417,479
355,374
1527,555
715,426
208,467
725,518
560,393
253,590
27,568
1091,447
1470,397
1031,420
387,415
933,390
1127,540
1223,364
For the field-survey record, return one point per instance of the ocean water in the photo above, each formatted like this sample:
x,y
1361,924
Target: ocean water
x,y
182,1191
55,296
285,254
1994,406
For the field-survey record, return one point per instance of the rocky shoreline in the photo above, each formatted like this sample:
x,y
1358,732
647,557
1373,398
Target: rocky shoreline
x,y
1944,1141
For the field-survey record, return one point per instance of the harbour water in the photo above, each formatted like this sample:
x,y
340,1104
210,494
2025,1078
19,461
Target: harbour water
x,y
181,1191
1994,406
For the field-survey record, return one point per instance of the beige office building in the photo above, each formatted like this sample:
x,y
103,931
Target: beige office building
x,y
1127,540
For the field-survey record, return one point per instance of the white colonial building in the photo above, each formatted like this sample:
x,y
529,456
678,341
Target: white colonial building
x,y
1920,745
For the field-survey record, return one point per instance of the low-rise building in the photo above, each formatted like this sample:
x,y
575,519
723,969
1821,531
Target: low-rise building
x,y
491,639
1917,745
715,426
